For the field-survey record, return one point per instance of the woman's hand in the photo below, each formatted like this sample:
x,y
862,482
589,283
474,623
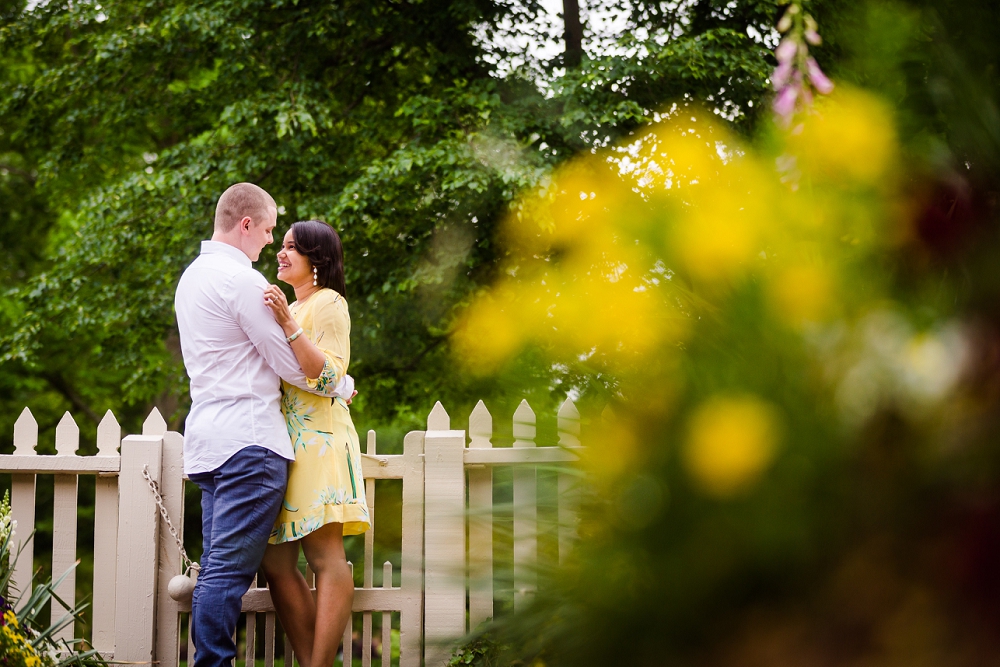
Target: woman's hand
x,y
275,299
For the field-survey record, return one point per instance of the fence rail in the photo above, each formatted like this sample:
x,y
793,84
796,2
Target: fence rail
x,y
447,572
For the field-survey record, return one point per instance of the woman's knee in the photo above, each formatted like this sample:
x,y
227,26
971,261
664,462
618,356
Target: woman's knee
x,y
324,548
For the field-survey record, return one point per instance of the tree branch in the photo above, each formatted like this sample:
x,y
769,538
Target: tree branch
x,y
392,370
17,171
59,383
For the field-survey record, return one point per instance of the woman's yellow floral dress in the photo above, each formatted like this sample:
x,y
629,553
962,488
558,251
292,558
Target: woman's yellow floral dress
x,y
325,484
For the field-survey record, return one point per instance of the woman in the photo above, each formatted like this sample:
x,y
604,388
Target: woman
x,y
325,499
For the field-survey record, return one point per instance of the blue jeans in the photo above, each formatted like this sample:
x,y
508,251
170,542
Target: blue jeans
x,y
240,501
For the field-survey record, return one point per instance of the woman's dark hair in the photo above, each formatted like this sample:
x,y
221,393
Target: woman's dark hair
x,y
320,243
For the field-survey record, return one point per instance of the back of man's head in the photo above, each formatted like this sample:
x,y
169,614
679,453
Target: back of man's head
x,y
242,200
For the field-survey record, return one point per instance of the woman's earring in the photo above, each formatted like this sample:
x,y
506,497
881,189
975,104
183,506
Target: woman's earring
x,y
315,282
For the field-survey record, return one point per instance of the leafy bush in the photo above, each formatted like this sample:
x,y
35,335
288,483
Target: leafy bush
x,y
482,651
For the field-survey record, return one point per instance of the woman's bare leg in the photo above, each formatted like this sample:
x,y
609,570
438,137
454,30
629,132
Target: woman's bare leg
x,y
292,598
324,549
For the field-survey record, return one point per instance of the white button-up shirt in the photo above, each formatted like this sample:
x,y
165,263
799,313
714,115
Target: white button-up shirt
x,y
234,352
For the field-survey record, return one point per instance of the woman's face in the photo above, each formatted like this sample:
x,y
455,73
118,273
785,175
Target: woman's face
x,y
293,268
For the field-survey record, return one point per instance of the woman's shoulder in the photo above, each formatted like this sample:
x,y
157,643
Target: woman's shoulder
x,y
327,296
323,297
330,301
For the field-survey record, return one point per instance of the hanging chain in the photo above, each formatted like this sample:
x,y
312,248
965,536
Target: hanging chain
x,y
188,564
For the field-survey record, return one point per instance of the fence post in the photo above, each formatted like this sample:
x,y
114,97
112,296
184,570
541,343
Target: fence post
x,y
138,533
444,533
411,576
171,564
525,512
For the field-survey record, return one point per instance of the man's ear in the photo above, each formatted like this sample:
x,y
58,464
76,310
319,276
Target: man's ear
x,y
245,224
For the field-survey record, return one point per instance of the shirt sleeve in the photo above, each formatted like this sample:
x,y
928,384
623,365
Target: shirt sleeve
x,y
331,333
246,292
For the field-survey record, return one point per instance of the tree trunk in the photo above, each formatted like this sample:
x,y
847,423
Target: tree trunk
x,y
573,34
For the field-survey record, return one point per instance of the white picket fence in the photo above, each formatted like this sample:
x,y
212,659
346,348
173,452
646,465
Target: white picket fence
x,y
446,582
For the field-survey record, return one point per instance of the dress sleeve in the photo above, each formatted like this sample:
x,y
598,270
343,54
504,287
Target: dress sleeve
x,y
331,333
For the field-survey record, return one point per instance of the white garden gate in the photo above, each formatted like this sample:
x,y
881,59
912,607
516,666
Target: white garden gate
x,y
446,574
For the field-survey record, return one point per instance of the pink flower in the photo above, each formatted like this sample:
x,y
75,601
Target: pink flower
x,y
813,37
784,103
818,79
781,75
786,50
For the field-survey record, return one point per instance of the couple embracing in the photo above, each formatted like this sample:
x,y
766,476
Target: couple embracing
x,y
269,438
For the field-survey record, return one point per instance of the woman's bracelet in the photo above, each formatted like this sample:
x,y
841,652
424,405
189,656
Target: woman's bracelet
x,y
294,335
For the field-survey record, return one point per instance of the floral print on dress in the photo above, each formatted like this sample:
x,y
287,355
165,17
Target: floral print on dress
x,y
298,418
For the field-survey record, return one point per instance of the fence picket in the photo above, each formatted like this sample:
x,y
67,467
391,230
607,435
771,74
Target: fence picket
x,y
67,436
64,496
386,642
525,511
348,640
22,505
64,500
480,521
25,434
109,436
569,436
190,644
366,619
250,654
269,639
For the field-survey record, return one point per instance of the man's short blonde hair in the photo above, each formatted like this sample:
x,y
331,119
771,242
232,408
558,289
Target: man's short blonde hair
x,y
242,200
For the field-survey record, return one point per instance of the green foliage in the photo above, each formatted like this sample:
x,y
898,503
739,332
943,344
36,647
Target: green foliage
x,y
481,651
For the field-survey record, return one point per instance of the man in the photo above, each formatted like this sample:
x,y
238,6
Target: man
x,y
236,444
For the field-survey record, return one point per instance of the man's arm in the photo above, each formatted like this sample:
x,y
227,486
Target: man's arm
x,y
247,294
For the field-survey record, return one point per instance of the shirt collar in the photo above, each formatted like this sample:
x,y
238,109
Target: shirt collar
x,y
219,248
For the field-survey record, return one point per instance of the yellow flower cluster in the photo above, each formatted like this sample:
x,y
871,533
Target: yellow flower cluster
x,y
15,650
731,442
596,250
616,258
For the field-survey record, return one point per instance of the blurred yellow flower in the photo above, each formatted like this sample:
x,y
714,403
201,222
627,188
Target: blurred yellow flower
x,y
488,334
612,450
723,209
802,293
731,441
715,239
849,137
